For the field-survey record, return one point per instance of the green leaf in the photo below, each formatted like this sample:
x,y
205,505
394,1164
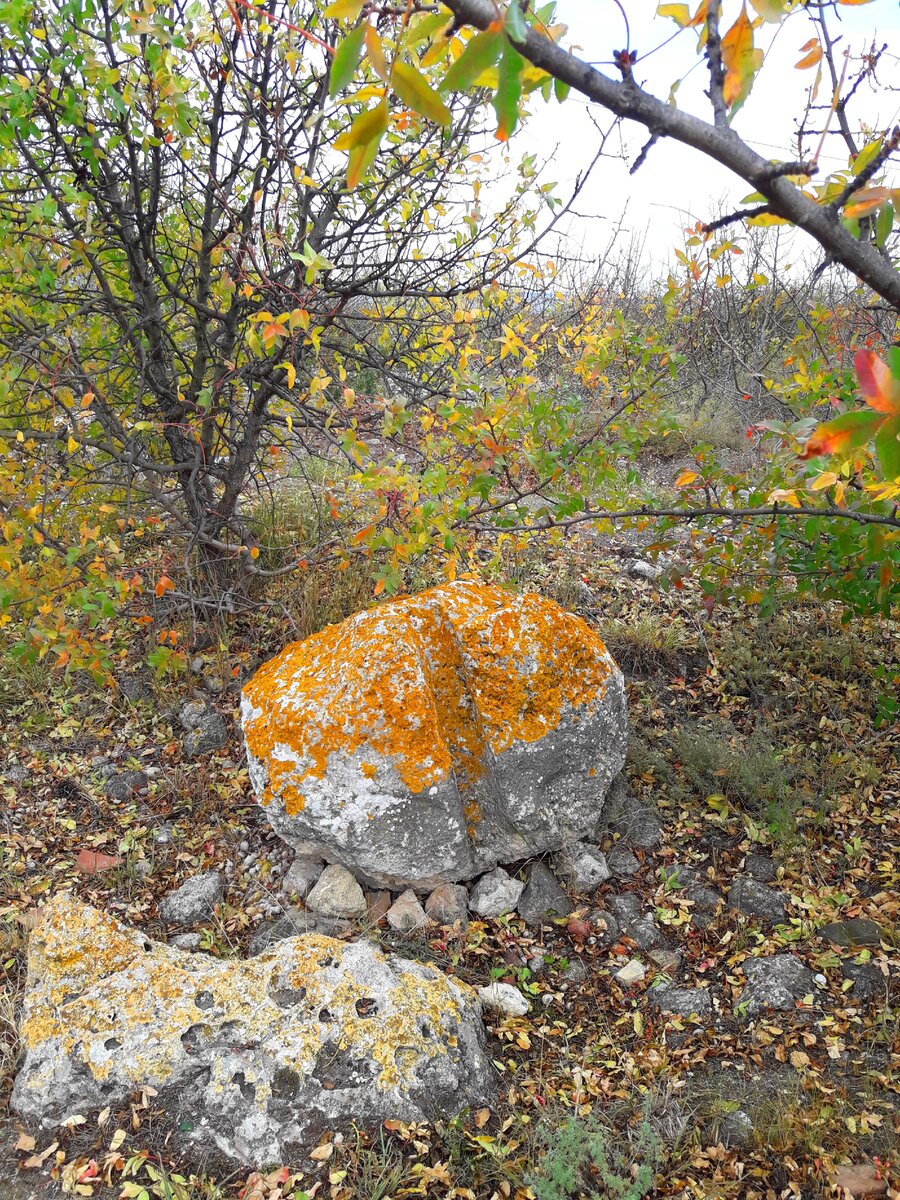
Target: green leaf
x,y
414,89
887,444
560,90
479,55
516,26
893,361
346,60
509,89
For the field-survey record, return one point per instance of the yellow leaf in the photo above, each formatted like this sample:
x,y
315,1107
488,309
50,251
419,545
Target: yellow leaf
x,y
685,478
322,1153
345,10
71,445
375,51
825,480
680,13
414,89
783,496
291,373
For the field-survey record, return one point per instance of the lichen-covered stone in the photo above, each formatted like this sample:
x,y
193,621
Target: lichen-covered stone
x,y
260,1055
430,738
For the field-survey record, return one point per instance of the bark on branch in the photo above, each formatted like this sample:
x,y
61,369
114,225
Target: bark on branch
x,y
719,142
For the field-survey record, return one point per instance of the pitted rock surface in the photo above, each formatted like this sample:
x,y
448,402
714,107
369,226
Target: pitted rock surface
x,y
431,738
261,1055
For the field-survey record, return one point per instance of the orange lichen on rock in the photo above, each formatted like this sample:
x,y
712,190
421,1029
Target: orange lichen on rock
x,y
438,733
428,682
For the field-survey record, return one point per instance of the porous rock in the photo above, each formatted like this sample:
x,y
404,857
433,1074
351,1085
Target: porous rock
x,y
431,738
259,1055
543,898
337,894
495,894
194,900
633,972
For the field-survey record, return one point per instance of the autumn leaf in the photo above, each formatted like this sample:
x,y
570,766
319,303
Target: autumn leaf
x,y
92,862
880,386
810,59
685,478
844,433
164,584
740,60
414,89
866,200
509,89
346,60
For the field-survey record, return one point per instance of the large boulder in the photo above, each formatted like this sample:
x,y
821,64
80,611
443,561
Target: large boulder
x,y
431,738
257,1055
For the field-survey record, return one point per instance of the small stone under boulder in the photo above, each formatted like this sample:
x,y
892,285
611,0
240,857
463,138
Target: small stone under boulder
x,y
543,898
495,894
259,1055
448,905
337,894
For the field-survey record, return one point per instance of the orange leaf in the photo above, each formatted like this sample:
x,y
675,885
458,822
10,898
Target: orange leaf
x,y
164,585
810,59
880,389
738,59
685,478
93,861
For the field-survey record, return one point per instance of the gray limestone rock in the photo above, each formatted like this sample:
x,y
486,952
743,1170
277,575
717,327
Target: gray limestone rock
x,y
495,894
683,1001
205,731
777,982
581,865
645,934
193,901
433,738
543,898
260,1056
756,900
337,894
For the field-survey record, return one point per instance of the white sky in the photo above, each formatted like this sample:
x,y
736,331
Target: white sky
x,y
677,184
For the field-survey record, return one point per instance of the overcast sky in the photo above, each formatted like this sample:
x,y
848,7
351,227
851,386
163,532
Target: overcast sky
x,y
676,183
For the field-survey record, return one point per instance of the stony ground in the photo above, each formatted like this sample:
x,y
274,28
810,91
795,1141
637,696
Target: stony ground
x,y
716,1019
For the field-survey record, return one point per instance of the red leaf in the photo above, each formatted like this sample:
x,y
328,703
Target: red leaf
x,y
880,389
93,861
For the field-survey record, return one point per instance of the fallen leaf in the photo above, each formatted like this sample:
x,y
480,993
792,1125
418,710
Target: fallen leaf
x,y
94,861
